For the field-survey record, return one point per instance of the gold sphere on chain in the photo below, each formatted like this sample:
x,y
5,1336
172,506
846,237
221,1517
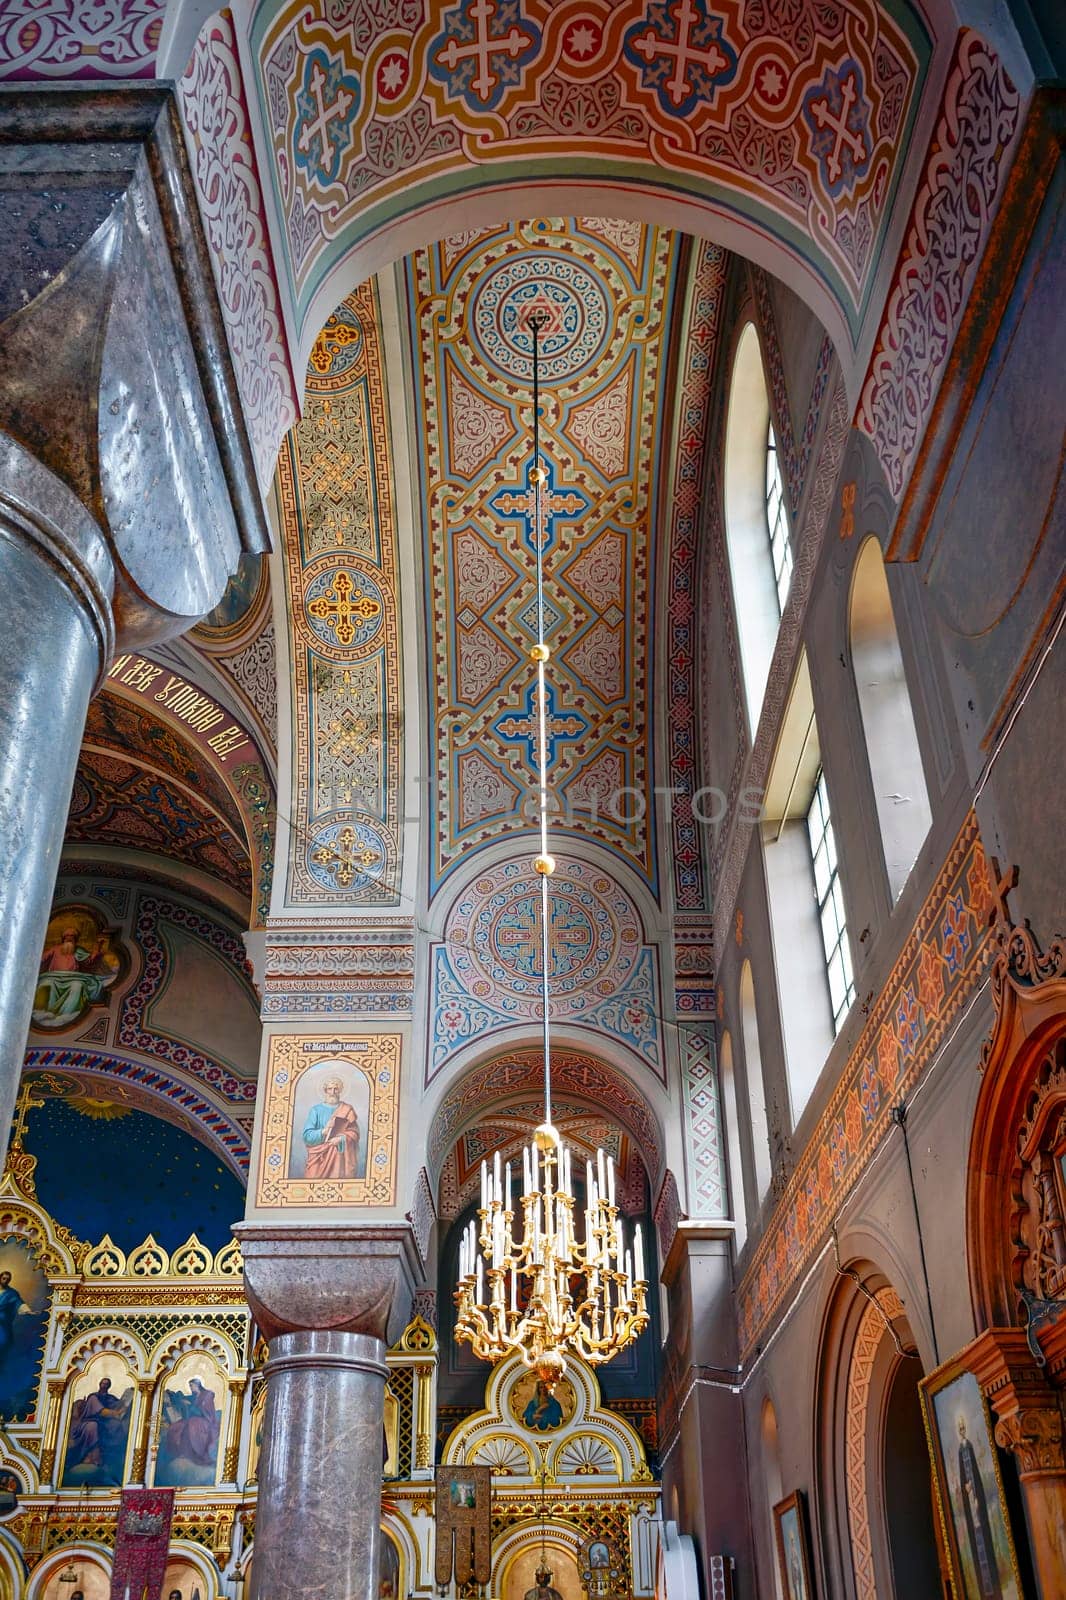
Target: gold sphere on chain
x,y
545,865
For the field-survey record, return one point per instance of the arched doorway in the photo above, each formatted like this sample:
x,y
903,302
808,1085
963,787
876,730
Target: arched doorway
x,y
908,1506
879,1536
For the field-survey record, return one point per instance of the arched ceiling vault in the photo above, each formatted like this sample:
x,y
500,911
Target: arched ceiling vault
x,y
781,134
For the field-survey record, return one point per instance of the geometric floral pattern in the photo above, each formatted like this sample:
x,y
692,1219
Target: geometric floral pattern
x,y
703,1124
794,116
339,538
214,113
118,804
605,302
952,212
941,963
79,39
698,345
487,972
575,1077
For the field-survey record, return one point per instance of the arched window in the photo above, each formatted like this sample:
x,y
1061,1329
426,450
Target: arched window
x,y
757,536
732,1135
775,1488
887,718
776,519
760,1136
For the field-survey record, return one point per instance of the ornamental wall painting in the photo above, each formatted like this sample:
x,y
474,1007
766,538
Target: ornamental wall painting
x,y
330,1122
98,1425
190,1423
82,960
24,1300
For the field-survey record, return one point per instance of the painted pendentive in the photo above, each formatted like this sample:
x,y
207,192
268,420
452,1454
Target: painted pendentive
x,y
339,538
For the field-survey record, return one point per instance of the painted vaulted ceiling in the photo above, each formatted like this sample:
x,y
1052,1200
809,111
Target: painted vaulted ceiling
x,y
606,292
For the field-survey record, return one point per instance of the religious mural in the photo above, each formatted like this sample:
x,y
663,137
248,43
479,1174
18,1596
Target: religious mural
x,y
190,1422
540,1408
331,1110
329,1126
99,1425
23,1321
81,960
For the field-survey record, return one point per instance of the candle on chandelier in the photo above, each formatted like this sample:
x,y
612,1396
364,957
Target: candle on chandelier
x,y
638,1251
507,1188
610,1180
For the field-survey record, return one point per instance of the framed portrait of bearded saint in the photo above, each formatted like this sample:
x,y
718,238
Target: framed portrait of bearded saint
x,y
329,1130
968,1487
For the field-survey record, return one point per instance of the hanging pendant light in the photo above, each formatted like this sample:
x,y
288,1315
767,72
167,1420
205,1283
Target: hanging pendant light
x,y
528,1286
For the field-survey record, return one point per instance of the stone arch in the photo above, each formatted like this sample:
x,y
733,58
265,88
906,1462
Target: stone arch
x,y
497,1076
878,1532
677,151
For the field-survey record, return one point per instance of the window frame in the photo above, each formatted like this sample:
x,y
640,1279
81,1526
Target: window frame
x,y
777,527
829,900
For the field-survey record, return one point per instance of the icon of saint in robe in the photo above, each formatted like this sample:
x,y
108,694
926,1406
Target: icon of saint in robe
x,y
331,1136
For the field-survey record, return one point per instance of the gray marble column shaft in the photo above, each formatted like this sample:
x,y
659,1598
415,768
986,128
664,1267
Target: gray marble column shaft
x,y
55,639
318,1518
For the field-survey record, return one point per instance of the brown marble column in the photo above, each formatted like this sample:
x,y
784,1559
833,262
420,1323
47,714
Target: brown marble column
x,y
1029,1422
329,1300
318,1516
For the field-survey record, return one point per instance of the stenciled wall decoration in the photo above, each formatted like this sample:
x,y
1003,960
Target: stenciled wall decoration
x,y
943,959
487,972
795,118
339,536
330,1121
605,289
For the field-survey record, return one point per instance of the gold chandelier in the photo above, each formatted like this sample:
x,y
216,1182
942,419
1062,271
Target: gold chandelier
x,y
527,1285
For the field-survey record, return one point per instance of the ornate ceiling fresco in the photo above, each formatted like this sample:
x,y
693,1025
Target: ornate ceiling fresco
x,y
509,1128
579,1078
339,536
606,289
118,803
792,117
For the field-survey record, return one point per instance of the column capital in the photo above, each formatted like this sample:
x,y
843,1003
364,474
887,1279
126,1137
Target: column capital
x,y
1035,1436
313,1276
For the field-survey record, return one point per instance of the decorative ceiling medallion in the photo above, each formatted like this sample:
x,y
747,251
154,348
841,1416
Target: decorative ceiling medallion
x,y
569,302
346,855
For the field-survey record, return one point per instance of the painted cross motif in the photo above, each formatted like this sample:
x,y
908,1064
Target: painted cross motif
x,y
326,106
344,608
681,54
476,63
836,114
346,859
522,728
554,503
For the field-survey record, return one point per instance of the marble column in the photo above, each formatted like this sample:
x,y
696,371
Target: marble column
x,y
127,492
1026,1402
329,1300
56,577
321,1456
